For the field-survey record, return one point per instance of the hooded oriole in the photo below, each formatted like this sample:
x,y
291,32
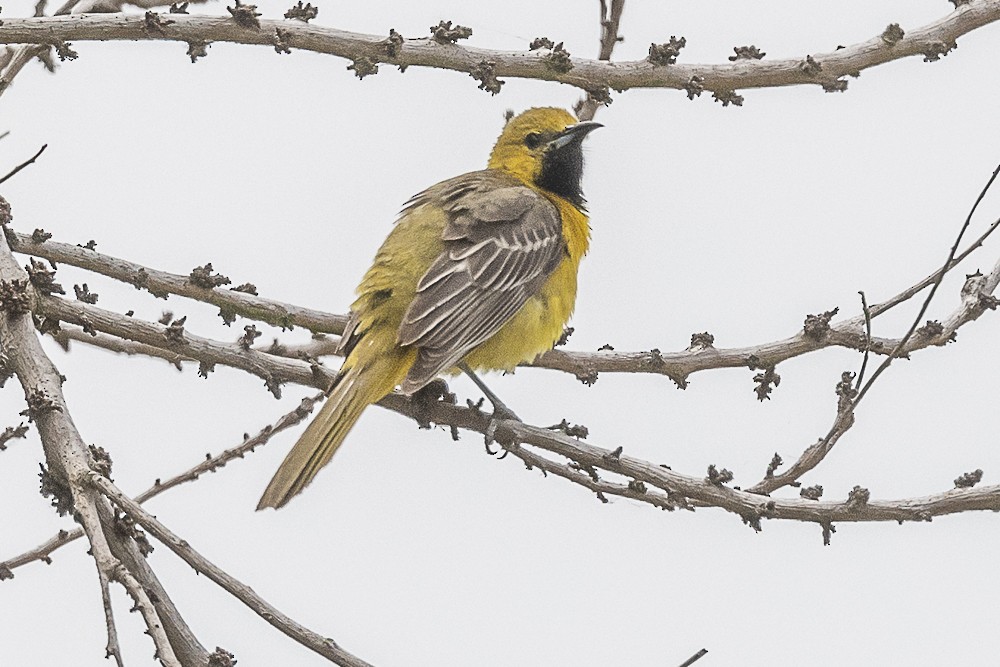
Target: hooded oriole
x,y
479,270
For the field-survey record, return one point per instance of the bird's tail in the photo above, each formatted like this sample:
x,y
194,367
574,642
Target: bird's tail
x,y
357,386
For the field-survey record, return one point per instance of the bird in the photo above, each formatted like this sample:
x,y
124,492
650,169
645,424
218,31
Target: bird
x,y
478,273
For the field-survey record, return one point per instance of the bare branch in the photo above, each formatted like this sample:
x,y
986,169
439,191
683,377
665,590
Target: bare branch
x,y
276,369
975,301
69,461
587,108
320,346
111,569
300,372
694,658
930,41
851,333
44,551
161,283
22,56
680,488
610,19
24,164
811,457
898,349
272,369
910,292
68,332
311,640
10,433
41,552
585,365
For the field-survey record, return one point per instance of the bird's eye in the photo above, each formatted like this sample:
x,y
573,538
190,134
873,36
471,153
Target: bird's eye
x,y
533,140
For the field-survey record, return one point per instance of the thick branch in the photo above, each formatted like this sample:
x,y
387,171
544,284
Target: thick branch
x,y
282,369
934,38
69,462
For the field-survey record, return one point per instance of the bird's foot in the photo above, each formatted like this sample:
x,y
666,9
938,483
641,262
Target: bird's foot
x,y
500,413
424,399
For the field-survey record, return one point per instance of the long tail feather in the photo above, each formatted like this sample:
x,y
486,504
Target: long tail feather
x,y
355,389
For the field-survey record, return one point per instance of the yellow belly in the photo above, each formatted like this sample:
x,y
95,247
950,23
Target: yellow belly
x,y
540,322
534,329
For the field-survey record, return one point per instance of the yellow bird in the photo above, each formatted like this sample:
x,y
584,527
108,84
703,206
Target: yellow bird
x,y
479,273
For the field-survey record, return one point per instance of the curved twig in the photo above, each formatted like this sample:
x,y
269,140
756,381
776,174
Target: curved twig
x,y
24,164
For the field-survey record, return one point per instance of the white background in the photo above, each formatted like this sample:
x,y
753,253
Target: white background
x,y
410,549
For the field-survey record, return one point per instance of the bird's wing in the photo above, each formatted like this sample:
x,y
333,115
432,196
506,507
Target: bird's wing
x,y
502,241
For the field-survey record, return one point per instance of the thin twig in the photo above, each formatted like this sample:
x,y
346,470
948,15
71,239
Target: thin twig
x,y
868,338
112,648
908,293
587,108
609,27
694,658
814,454
934,287
23,164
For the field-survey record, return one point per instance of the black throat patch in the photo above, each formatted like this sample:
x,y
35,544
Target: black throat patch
x,y
562,170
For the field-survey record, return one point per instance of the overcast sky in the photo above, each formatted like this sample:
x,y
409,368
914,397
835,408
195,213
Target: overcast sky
x,y
411,549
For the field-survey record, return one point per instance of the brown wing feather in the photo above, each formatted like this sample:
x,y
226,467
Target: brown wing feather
x,y
502,240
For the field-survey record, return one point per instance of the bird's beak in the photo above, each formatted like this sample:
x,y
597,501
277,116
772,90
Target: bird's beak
x,y
573,134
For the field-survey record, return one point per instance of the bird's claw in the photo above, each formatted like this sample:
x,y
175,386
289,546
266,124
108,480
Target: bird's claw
x,y
500,413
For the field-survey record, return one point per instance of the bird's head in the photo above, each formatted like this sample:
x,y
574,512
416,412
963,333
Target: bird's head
x,y
542,146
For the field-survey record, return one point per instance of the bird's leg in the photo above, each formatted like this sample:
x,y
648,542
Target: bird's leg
x,y
500,410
